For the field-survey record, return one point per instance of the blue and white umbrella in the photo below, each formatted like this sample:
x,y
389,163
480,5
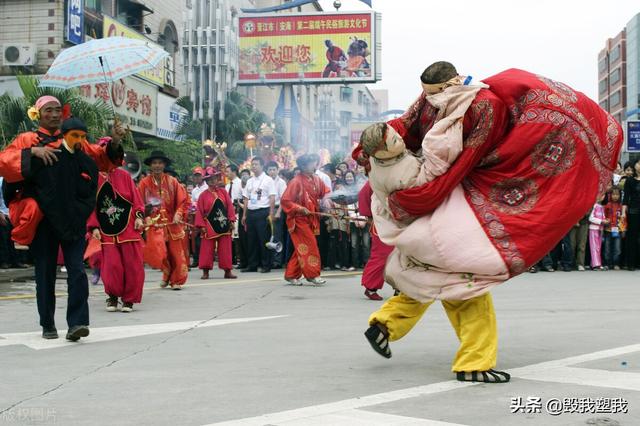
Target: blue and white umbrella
x,y
102,60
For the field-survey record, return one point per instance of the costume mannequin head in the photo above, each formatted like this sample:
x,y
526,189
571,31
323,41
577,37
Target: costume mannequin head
x,y
438,76
382,142
75,133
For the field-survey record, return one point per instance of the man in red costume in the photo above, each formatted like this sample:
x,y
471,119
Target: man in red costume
x,y
45,148
117,222
166,205
44,143
335,56
300,202
532,151
215,215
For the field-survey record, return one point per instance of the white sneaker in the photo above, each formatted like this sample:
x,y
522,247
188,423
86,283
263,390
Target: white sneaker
x,y
580,268
316,280
20,246
293,281
127,307
63,269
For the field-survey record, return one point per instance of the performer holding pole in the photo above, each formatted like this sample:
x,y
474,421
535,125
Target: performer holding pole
x,y
166,203
300,202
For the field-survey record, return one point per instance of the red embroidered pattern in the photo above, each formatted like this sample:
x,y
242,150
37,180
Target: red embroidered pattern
x,y
554,154
483,113
495,229
490,159
514,196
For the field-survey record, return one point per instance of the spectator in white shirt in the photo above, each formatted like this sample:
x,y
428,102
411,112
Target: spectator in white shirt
x,y
199,186
278,223
234,188
259,202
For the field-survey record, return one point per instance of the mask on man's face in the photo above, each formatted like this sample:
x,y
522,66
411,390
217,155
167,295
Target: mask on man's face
x,y
75,138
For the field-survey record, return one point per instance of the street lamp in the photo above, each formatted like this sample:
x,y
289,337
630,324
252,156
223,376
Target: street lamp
x,y
337,4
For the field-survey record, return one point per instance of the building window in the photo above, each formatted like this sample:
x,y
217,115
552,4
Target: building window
x,y
346,93
604,105
360,97
615,76
345,118
602,65
602,86
93,4
615,54
615,99
130,13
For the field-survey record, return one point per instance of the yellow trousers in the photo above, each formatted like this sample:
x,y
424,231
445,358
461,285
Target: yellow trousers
x,y
474,321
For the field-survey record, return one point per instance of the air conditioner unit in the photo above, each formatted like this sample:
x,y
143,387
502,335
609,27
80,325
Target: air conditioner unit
x,y
19,54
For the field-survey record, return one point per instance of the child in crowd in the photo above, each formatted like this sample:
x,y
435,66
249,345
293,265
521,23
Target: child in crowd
x,y
614,231
597,222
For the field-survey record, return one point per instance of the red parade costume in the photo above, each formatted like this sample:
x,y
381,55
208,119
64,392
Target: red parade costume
x,y
118,205
303,192
215,213
165,199
15,166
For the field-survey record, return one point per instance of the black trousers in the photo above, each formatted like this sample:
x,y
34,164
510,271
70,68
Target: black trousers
x,y
258,234
45,253
632,246
8,254
278,236
242,246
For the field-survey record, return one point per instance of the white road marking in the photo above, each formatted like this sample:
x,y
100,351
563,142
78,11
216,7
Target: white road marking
x,y
587,377
308,413
552,371
365,418
35,341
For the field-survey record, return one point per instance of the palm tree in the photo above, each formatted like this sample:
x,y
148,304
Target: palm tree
x,y
13,110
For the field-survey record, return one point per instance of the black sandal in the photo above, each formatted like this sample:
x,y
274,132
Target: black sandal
x,y
379,340
489,376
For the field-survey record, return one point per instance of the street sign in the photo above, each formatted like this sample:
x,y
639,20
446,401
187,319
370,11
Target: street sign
x,y
633,136
75,21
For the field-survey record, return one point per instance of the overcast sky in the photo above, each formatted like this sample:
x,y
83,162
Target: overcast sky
x,y
559,39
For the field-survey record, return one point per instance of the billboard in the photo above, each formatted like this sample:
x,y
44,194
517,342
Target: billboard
x,y
304,48
135,102
633,136
112,28
170,115
75,22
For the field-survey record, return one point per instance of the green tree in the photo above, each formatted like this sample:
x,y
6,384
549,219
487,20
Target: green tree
x,y
14,118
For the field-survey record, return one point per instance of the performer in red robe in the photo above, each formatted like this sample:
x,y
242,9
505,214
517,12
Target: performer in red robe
x,y
118,222
373,273
166,205
534,152
300,202
215,215
15,164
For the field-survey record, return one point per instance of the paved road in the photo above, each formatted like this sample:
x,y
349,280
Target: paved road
x,y
256,352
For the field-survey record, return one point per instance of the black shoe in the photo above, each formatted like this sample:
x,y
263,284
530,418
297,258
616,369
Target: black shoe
x,y
4,266
567,269
76,332
19,265
378,340
49,333
249,270
264,270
